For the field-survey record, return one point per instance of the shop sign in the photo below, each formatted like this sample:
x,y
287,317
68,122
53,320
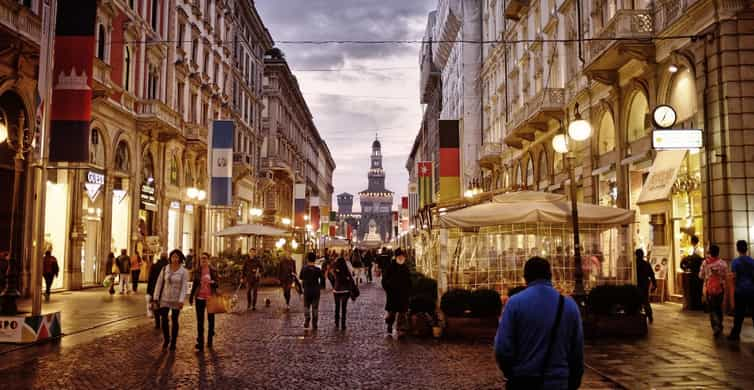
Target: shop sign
x,y
677,139
189,208
93,185
175,205
148,197
10,329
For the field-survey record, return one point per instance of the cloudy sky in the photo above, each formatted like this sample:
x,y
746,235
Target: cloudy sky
x,y
355,91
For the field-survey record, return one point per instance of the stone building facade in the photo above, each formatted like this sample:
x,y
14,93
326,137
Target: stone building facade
x,y
695,56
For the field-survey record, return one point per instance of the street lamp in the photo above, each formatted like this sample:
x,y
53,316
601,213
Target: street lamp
x,y
255,212
286,221
578,130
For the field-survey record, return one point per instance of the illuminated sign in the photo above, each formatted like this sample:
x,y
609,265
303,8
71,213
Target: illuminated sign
x,y
148,199
94,182
677,139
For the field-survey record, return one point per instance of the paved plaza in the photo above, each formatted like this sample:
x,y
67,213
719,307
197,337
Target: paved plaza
x,y
270,349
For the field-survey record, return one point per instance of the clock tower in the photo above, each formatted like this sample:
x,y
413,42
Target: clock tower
x,y
376,201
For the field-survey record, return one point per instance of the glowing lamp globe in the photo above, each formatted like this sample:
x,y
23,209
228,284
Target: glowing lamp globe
x,y
192,193
560,143
579,130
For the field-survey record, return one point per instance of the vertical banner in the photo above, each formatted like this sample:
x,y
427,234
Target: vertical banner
x,y
404,213
413,200
349,231
450,161
221,158
325,220
299,205
314,213
333,223
396,222
72,81
424,169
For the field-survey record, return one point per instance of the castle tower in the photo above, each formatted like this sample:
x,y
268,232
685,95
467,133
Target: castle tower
x,y
376,201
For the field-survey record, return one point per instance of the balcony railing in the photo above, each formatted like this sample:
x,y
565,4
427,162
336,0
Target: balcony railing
x,y
196,133
669,11
101,77
159,113
21,20
490,152
128,101
626,23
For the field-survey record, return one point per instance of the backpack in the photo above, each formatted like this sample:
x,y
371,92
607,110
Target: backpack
x,y
714,283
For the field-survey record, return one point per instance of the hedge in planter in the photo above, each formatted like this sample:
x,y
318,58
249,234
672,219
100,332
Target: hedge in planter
x,y
471,314
455,303
614,311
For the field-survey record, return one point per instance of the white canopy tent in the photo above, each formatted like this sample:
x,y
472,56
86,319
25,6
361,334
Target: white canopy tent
x,y
251,230
533,207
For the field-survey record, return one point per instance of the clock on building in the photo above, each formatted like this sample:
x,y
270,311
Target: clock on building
x,y
664,116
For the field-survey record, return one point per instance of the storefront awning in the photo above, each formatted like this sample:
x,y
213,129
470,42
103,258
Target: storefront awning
x,y
662,176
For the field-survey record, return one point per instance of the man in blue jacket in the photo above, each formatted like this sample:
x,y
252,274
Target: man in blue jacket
x,y
743,269
524,335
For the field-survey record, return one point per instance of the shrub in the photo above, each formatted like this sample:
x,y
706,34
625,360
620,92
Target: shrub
x,y
422,304
423,286
455,303
485,303
612,300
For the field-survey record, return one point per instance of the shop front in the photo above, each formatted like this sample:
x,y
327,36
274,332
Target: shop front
x,y
187,239
57,212
92,213
121,216
174,226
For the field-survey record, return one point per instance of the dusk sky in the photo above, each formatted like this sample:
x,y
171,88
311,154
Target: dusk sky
x,y
356,91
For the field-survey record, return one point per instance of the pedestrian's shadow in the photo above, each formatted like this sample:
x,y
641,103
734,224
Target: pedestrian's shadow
x,y
162,369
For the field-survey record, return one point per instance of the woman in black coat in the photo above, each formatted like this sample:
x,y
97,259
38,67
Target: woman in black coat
x,y
397,285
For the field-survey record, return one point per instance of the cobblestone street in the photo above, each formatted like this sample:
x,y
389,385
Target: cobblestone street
x,y
257,350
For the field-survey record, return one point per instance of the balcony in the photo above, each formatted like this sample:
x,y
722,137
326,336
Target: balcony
x,y
128,101
546,105
668,12
626,36
489,154
102,85
195,133
20,20
156,115
275,163
514,8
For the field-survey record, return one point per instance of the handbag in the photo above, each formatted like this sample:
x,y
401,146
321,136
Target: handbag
x,y
217,304
538,382
155,305
354,291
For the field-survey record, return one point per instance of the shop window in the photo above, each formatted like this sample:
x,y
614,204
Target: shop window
x,y
174,170
637,114
122,159
683,95
127,69
606,137
519,183
101,37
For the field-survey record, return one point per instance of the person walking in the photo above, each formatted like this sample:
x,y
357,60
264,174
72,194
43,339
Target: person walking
x,y
313,280
358,266
342,272
644,276
110,272
286,274
50,271
135,271
154,273
124,271
713,272
540,342
743,272
368,263
692,264
204,286
170,290
397,284
252,274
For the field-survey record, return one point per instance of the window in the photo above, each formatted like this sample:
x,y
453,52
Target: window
x,y
122,159
155,9
127,70
192,109
174,170
181,31
101,37
606,137
194,50
179,97
96,149
206,62
188,177
544,174
636,117
148,169
530,174
131,4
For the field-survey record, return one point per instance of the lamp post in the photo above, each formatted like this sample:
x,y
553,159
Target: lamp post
x,y
578,130
22,142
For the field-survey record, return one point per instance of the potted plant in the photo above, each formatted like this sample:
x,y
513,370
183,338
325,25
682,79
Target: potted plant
x,y
471,314
422,304
614,311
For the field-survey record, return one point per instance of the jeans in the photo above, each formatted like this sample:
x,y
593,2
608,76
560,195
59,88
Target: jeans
x,y
48,283
166,334
251,295
124,283
311,308
743,301
201,306
341,308
287,293
715,308
369,273
135,279
400,318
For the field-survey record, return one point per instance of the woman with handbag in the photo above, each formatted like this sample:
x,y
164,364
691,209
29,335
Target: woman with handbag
x,y
171,289
343,272
203,288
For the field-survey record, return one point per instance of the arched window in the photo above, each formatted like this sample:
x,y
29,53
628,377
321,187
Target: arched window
x,y
606,138
101,42
127,70
96,148
683,95
519,178
544,171
174,170
194,50
201,174
122,159
189,176
530,174
148,169
557,165
506,179
636,117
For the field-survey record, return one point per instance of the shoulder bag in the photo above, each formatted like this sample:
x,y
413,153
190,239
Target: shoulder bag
x,y
154,306
538,382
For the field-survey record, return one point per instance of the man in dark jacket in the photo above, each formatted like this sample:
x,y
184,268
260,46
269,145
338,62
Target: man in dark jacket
x,y
691,264
313,281
397,284
252,274
286,274
124,269
644,275
368,263
154,273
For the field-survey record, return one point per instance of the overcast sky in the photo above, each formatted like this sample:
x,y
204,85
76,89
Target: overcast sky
x,y
371,88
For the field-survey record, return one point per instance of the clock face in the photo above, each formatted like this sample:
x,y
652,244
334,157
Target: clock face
x,y
664,116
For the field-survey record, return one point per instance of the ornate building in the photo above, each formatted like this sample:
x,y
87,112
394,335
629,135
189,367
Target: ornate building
x,y
376,202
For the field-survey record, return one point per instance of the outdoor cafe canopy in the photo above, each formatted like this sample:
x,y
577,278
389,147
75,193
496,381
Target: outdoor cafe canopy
x,y
251,230
533,207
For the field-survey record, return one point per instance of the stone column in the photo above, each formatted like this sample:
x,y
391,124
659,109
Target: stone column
x,y
78,236
107,224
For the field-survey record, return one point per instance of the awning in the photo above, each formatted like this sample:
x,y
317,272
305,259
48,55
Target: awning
x,y
251,230
662,176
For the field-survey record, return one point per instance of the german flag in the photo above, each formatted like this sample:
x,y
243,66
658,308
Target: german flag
x,y
450,161
424,171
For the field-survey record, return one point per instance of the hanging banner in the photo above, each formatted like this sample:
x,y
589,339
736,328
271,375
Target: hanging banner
x,y
424,172
221,158
299,205
72,81
450,161
333,223
314,213
325,227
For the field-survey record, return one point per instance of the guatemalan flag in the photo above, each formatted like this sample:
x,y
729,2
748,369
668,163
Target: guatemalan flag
x,y
221,170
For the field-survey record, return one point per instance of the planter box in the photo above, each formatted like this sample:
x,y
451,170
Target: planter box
x,y
601,325
25,329
471,328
